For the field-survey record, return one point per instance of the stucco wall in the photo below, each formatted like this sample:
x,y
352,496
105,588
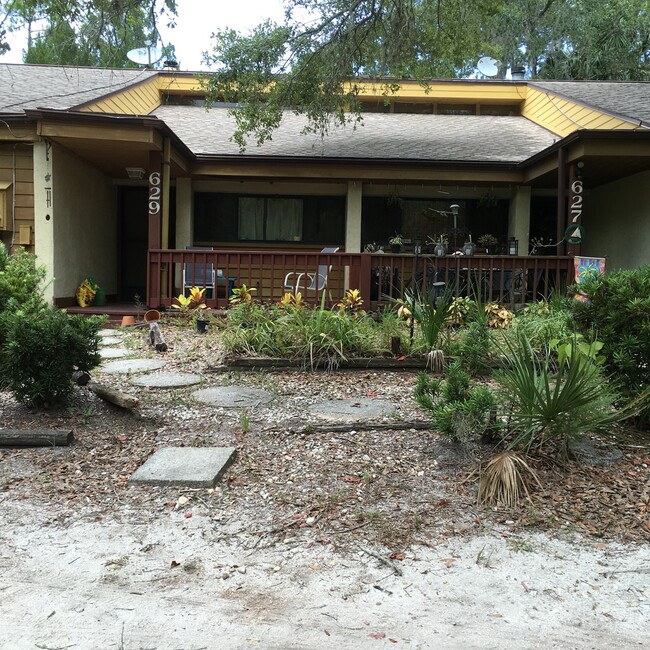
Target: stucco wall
x,y
85,225
617,222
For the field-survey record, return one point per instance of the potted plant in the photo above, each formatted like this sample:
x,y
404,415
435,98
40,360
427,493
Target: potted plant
x,y
201,318
396,243
439,243
489,243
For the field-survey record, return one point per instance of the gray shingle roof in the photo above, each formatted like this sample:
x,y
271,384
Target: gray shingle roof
x,y
60,87
381,136
625,98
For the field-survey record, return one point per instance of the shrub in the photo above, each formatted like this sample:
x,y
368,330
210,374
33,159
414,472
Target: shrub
x,y
542,322
41,349
458,409
618,310
20,278
551,402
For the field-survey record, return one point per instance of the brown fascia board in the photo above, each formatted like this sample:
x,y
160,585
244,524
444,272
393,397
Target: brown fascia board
x,y
593,107
210,158
584,134
110,119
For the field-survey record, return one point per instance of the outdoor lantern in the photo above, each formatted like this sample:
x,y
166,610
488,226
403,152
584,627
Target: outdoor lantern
x,y
513,246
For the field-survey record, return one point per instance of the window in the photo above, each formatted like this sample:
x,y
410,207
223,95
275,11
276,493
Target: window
x,y
270,219
316,220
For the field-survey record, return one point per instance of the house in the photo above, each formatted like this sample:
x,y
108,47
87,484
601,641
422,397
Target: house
x,y
115,174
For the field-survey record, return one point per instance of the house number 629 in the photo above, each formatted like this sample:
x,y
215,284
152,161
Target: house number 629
x,y
154,193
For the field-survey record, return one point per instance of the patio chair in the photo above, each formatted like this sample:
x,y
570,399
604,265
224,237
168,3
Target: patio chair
x,y
199,274
317,281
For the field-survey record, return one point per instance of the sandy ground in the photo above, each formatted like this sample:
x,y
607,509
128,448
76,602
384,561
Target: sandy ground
x,y
361,539
174,581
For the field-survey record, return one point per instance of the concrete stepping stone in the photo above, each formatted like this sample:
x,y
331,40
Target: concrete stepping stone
x,y
124,366
111,340
109,332
194,467
167,380
114,353
233,396
359,408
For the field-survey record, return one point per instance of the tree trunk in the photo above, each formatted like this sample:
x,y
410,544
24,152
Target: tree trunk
x,y
35,437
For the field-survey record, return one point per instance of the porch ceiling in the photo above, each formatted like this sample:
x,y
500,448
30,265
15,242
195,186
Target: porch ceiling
x,y
606,157
113,158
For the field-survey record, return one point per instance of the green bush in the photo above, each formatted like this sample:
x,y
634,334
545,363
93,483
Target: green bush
x,y
20,278
618,311
41,349
458,409
552,402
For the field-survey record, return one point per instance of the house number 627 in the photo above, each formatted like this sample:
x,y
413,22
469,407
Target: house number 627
x,y
154,193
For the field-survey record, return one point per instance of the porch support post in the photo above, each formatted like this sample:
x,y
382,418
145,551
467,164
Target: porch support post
x,y
353,217
166,176
576,201
44,217
155,196
519,217
561,199
184,208
154,234
353,224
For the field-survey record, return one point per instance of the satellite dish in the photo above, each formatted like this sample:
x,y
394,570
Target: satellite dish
x,y
488,66
145,55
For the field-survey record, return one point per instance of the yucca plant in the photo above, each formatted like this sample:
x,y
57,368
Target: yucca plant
x,y
503,480
430,314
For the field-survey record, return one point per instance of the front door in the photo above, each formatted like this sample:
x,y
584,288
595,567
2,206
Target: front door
x,y
134,232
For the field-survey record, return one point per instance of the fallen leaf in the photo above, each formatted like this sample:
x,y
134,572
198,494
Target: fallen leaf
x,y
187,515
326,632
392,640
377,635
351,479
174,564
397,555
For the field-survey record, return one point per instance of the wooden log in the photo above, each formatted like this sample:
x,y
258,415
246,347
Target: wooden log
x,y
156,337
113,396
398,425
249,363
35,437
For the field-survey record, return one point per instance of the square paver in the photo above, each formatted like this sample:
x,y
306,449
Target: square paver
x,y
185,466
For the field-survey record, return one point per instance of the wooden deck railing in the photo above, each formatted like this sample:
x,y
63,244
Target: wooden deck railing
x,y
380,277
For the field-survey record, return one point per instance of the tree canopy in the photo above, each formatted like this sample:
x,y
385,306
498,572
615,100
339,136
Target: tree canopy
x,y
81,32
308,63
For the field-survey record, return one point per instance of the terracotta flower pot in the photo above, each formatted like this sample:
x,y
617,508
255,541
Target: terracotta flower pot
x,y
128,320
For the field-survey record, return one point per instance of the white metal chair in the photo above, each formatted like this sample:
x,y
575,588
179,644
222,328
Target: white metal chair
x,y
317,281
199,274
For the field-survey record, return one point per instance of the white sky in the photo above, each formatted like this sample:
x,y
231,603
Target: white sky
x,y
197,20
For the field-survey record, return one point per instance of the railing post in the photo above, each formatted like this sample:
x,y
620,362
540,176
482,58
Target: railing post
x,y
365,268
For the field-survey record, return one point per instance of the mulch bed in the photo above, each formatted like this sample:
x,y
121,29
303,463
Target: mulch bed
x,y
398,486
